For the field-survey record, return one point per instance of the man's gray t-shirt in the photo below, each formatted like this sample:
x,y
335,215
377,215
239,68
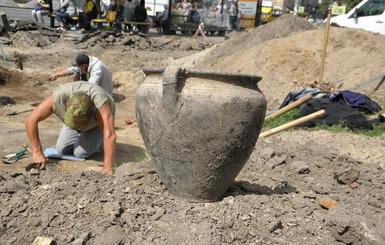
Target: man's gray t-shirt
x,y
97,94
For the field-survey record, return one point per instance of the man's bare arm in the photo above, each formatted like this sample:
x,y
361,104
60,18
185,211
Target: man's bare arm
x,y
63,73
106,121
43,111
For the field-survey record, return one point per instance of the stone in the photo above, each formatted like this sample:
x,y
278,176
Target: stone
x,y
40,240
348,176
327,203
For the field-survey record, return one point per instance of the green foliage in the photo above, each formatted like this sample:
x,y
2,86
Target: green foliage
x,y
377,131
142,157
351,4
295,114
285,118
324,6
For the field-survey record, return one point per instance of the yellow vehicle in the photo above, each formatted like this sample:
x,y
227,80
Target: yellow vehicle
x,y
269,14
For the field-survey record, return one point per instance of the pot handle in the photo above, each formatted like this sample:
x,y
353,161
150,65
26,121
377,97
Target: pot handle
x,y
170,83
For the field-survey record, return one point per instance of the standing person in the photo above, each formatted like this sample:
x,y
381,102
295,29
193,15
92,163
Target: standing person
x,y
42,7
233,12
88,112
240,16
85,18
89,68
67,10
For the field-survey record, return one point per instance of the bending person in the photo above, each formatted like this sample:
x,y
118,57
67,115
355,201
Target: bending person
x,y
88,112
88,68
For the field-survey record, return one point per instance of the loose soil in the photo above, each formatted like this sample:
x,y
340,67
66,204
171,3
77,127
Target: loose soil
x,y
298,187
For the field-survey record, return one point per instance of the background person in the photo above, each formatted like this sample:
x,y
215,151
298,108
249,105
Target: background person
x,y
233,12
88,68
85,18
117,6
140,15
88,112
42,7
162,20
67,10
128,13
177,14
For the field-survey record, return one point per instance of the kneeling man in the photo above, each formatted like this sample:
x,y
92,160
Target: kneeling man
x,y
87,111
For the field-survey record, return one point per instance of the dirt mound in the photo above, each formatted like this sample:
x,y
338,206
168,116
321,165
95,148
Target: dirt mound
x,y
11,77
29,88
28,34
287,54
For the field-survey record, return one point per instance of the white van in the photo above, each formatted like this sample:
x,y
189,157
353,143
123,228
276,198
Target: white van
x,y
368,15
155,6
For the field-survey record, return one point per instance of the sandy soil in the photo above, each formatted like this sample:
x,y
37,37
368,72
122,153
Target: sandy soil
x,y
298,187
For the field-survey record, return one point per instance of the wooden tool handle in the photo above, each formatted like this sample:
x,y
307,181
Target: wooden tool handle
x,y
29,149
290,106
294,123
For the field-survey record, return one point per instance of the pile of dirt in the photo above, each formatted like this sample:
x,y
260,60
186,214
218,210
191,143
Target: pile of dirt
x,y
298,187
11,77
28,33
287,54
21,87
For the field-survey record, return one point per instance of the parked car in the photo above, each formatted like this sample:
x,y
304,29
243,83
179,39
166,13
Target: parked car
x,y
368,15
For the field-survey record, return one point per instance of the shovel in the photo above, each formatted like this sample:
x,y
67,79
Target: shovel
x,y
11,158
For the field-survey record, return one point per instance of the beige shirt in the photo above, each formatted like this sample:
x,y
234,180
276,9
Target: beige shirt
x,y
97,94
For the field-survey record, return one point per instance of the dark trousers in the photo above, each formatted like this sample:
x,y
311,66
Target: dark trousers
x,y
85,20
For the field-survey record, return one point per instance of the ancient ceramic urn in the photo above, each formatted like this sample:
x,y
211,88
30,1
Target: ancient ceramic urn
x,y
199,127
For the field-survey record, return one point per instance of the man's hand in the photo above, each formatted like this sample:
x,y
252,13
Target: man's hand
x,y
107,170
53,77
40,160
129,121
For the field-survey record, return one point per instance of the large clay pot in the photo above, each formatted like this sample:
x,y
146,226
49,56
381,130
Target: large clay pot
x,y
199,127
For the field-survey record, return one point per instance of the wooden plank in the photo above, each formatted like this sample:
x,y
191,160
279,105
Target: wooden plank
x,y
136,23
124,22
99,21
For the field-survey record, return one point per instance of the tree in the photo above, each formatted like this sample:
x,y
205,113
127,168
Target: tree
x,y
351,4
324,6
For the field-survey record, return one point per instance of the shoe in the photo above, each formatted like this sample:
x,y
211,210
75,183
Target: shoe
x,y
80,32
73,28
60,29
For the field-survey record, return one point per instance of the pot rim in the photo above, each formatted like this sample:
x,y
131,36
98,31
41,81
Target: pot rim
x,y
187,72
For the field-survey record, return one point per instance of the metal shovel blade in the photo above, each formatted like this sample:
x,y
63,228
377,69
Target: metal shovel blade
x,y
10,159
